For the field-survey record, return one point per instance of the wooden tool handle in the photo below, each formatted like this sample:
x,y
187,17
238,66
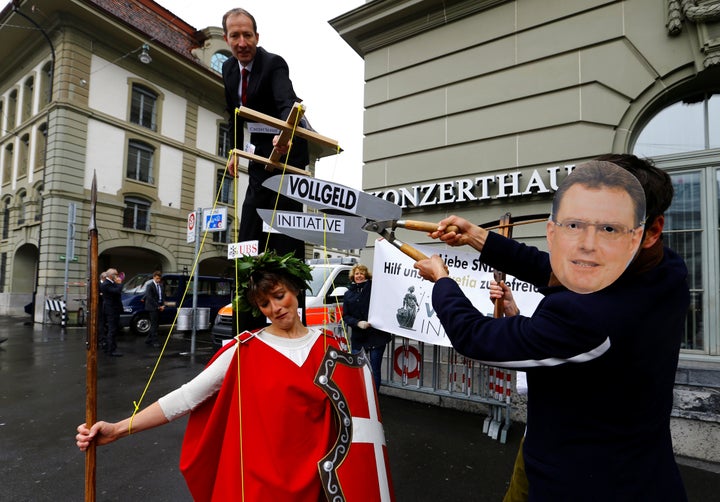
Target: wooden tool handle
x,y
286,134
424,226
412,252
506,231
268,162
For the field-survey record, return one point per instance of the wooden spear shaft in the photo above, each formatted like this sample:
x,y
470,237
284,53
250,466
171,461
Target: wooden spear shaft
x,y
92,343
504,229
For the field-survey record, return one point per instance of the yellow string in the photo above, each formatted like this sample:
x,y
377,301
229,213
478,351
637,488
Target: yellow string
x,y
237,318
237,321
235,232
240,431
138,403
282,179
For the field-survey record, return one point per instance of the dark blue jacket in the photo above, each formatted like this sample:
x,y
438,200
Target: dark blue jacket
x,y
152,298
270,91
601,370
111,296
356,306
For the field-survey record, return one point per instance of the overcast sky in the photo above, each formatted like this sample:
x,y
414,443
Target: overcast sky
x,y
326,73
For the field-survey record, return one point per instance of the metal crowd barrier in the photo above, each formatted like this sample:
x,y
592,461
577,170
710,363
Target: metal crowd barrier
x,y
418,367
57,309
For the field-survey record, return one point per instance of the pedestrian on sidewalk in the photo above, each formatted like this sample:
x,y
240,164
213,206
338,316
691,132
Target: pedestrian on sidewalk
x,y
153,301
111,290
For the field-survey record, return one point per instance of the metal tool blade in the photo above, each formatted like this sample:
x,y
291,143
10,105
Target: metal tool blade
x,y
321,194
379,226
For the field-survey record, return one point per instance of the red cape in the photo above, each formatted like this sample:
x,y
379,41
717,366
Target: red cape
x,y
287,425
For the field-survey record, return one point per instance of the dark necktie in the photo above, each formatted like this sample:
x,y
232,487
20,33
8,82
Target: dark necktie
x,y
159,292
243,87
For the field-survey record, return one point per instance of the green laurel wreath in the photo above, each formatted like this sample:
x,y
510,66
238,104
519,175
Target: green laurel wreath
x,y
247,266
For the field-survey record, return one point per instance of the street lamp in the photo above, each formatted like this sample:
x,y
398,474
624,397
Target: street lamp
x,y
144,56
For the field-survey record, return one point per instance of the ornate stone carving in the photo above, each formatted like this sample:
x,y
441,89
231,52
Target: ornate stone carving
x,y
706,15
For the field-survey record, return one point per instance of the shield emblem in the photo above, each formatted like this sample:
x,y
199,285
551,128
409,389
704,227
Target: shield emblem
x,y
347,381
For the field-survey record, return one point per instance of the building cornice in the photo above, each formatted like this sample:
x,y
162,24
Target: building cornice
x,y
381,23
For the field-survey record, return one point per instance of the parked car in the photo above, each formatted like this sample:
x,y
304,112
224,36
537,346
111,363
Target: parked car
x,y
323,300
213,293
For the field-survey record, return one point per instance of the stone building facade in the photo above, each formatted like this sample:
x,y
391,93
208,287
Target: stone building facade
x,y
128,93
479,107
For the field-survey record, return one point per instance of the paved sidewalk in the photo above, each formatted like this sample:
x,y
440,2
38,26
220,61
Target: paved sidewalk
x,y
435,453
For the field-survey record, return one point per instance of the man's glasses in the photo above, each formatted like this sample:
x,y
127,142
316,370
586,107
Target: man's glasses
x,y
607,231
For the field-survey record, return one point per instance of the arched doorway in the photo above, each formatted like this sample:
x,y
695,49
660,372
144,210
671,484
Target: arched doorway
x,y
24,273
134,260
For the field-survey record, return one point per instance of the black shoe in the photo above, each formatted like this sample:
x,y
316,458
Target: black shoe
x,y
3,340
115,353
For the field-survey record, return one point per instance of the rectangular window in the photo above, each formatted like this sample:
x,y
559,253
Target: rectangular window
x,y
140,162
224,143
220,237
136,214
225,188
143,108
684,234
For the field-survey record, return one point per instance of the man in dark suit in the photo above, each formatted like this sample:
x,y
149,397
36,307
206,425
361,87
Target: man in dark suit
x,y
111,290
267,89
153,306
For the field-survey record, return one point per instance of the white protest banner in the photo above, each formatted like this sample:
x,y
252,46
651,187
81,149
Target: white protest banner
x,y
401,300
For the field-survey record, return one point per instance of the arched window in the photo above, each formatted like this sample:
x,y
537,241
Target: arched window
x,y
8,164
23,157
21,200
27,99
217,60
689,125
39,199
684,139
136,214
40,144
6,203
45,81
12,110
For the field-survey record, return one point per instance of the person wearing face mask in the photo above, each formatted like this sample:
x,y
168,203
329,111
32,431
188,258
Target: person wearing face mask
x,y
596,325
658,189
356,307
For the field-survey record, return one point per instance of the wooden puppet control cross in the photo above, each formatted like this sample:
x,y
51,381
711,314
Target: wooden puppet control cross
x,y
287,128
